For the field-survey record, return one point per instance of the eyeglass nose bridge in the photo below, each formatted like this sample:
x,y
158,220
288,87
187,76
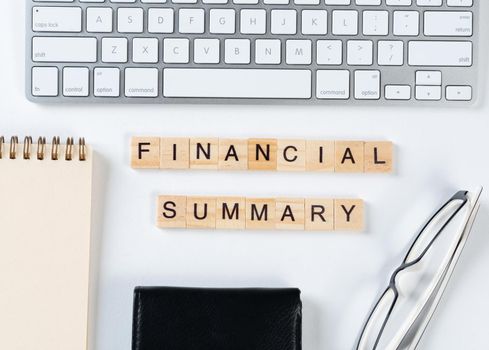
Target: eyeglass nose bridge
x,y
395,274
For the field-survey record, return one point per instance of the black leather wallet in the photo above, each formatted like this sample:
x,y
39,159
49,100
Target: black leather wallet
x,y
216,319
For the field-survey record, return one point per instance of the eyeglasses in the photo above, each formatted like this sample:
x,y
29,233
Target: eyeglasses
x,y
402,313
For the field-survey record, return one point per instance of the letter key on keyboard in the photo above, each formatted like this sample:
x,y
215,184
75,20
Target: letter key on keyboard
x,y
304,51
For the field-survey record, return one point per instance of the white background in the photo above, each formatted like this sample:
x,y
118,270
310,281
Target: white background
x,y
438,151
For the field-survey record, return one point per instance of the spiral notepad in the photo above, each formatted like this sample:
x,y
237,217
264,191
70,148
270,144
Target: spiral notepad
x,y
45,203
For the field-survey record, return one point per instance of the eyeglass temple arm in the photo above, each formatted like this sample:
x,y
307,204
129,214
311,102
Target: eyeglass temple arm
x,y
371,316
418,327
459,196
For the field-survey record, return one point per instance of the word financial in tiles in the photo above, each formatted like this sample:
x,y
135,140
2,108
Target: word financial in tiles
x,y
260,213
261,154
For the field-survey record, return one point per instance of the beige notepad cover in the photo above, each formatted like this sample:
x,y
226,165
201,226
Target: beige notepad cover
x,y
44,252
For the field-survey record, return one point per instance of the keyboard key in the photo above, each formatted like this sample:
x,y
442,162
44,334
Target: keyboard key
x,y
329,52
130,20
375,23
428,78
145,50
337,2
222,21
459,93
191,21
106,82
360,53
64,49
141,82
315,22
75,81
253,21
44,81
114,50
368,2
267,51
284,22
237,51
367,84
399,2
397,92
176,50
406,23
206,51
390,53
447,23
56,19
428,93
237,83
460,3
299,52
333,84
345,22
160,20
307,2
99,20
440,53
429,2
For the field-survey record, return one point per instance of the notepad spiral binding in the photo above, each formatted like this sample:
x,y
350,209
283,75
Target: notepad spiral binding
x,y
13,152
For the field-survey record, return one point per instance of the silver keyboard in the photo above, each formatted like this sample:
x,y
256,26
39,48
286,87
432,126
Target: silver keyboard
x,y
310,51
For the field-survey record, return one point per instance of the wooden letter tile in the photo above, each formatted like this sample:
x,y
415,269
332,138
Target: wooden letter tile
x,y
204,153
291,155
349,214
260,213
201,212
262,154
319,214
171,212
349,156
289,214
233,154
320,156
175,153
231,213
145,152
378,157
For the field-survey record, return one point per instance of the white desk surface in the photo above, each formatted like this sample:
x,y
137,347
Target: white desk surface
x,y
438,151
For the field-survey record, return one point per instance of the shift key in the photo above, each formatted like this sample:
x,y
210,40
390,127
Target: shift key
x,y
64,49
440,53
57,19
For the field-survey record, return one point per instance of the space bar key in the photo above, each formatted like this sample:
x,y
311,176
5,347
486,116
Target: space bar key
x,y
237,83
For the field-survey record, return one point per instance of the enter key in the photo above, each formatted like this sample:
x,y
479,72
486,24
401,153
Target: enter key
x,y
448,23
